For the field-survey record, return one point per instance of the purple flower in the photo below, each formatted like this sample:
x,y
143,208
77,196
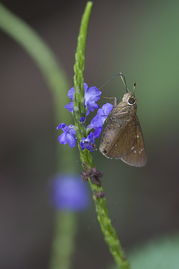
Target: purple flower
x,y
68,136
97,132
91,96
88,142
69,106
69,192
101,116
71,93
82,119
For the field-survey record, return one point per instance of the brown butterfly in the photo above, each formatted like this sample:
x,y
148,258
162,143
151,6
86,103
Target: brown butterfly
x,y
122,137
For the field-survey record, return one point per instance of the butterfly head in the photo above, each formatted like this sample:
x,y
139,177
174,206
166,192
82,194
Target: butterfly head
x,y
129,99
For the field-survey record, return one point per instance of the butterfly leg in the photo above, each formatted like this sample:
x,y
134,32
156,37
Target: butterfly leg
x,y
114,100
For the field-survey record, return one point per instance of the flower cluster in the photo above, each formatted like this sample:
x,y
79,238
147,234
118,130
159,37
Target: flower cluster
x,y
91,96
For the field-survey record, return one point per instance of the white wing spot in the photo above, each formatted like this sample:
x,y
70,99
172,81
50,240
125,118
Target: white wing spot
x,y
135,151
140,151
137,136
132,148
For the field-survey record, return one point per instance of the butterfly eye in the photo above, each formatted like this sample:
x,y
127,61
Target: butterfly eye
x,y
131,101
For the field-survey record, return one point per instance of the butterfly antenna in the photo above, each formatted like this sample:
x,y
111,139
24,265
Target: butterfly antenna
x,y
113,77
123,81
108,81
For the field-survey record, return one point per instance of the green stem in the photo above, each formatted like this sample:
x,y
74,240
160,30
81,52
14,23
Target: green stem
x,y
65,235
107,229
29,40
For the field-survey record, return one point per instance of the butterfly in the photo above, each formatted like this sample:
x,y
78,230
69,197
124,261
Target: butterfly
x,y
122,136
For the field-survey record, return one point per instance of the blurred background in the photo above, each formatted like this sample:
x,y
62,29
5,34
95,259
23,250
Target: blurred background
x,y
139,38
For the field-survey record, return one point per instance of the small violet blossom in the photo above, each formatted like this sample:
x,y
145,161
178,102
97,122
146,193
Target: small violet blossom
x,y
101,116
91,96
88,142
70,193
96,124
68,136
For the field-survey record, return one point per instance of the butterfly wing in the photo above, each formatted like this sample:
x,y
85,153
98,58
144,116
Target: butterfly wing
x,y
135,154
125,143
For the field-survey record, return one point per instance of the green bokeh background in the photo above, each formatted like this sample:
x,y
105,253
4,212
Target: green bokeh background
x,y
139,38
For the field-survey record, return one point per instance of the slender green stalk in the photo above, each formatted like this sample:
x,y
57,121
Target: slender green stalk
x,y
108,231
57,82
65,234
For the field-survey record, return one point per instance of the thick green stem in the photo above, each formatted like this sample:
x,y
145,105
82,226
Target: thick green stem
x,y
57,82
107,229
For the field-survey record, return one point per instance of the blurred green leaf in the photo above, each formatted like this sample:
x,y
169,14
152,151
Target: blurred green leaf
x,y
158,254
